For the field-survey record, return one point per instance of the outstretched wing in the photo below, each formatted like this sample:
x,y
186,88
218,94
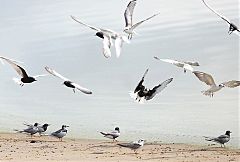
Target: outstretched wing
x,y
157,89
139,23
54,73
140,86
40,75
174,62
204,77
106,46
129,12
118,46
82,89
192,63
92,27
231,84
16,67
221,16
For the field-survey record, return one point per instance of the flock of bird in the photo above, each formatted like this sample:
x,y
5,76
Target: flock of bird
x,y
141,93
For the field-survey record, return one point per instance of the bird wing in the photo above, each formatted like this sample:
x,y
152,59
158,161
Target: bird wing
x,y
204,77
192,63
188,67
140,86
106,46
221,16
174,62
17,62
130,145
139,23
40,75
57,132
54,73
92,27
82,89
157,58
118,46
231,84
157,89
129,12
18,68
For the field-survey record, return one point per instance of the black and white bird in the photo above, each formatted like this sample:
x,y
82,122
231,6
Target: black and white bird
x,y
128,15
68,82
186,65
112,135
32,129
141,93
41,128
25,78
60,133
107,35
208,79
133,145
222,139
232,27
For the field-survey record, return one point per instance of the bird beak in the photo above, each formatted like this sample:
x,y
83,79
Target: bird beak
x,y
67,126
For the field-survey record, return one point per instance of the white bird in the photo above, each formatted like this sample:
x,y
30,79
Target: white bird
x,y
232,27
107,35
133,145
112,135
68,82
141,93
60,133
186,65
208,79
25,78
128,15
222,139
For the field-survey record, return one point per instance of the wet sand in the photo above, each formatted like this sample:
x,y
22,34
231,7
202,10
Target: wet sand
x,y
23,148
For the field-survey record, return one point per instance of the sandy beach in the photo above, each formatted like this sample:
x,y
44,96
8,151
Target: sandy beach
x,y
23,148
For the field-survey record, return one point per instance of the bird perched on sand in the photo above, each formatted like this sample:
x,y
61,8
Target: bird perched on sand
x,y
107,35
141,93
133,145
128,15
60,133
186,65
222,139
112,135
32,129
25,78
208,79
68,82
232,27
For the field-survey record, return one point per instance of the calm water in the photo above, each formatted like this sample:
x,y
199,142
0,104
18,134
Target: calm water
x,y
41,33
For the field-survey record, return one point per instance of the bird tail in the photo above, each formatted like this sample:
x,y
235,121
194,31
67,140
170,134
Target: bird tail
x,y
208,138
18,131
103,133
18,81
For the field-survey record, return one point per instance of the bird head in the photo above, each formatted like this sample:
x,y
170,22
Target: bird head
x,y
117,129
64,126
228,133
36,124
221,85
100,35
46,125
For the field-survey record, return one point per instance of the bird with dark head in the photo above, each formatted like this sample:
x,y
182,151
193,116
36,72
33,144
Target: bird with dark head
x,y
100,35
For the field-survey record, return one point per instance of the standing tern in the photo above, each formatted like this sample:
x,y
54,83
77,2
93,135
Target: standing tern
x,y
68,82
60,133
208,79
112,135
232,27
141,93
25,78
107,35
128,15
186,65
222,139
32,129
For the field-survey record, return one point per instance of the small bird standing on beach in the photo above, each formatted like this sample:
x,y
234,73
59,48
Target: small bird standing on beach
x,y
208,79
25,78
221,139
107,35
186,65
61,132
232,27
128,15
112,135
32,129
42,128
133,145
141,93
68,82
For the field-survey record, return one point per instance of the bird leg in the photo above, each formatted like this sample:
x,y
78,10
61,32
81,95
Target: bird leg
x,y
185,70
73,90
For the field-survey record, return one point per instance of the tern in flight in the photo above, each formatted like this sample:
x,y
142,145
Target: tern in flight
x,y
25,78
68,82
107,35
186,65
208,79
232,27
128,15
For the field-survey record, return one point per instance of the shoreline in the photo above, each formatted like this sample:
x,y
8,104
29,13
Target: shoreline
x,y
22,148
